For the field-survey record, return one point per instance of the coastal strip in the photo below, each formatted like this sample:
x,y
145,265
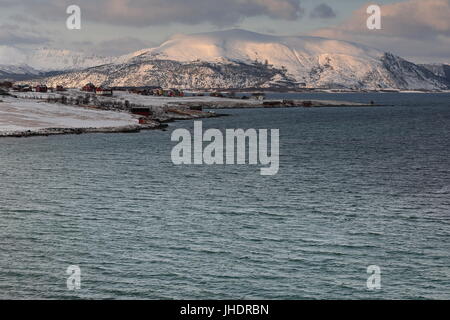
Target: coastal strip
x,y
28,114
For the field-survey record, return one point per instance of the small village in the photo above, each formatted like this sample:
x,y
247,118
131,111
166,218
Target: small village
x,y
150,107
91,88
107,98
144,108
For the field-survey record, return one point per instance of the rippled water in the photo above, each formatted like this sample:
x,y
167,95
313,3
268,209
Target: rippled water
x,y
356,187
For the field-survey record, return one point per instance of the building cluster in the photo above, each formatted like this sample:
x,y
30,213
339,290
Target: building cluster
x,y
156,91
6,85
29,88
144,91
100,91
91,88
4,88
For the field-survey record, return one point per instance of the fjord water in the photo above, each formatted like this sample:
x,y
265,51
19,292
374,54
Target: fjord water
x,y
356,187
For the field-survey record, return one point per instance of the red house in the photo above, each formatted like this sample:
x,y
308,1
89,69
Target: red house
x,y
89,88
41,88
101,91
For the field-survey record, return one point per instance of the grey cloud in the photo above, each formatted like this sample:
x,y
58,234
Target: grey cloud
x,y
12,35
162,12
121,46
23,19
8,3
323,11
113,47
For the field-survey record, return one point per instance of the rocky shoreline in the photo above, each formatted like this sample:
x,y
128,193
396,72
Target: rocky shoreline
x,y
245,104
77,131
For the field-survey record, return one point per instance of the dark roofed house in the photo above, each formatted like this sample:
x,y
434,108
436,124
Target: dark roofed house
x,y
6,84
41,88
89,87
102,91
22,88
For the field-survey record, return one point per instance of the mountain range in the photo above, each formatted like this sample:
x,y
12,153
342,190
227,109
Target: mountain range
x,y
236,59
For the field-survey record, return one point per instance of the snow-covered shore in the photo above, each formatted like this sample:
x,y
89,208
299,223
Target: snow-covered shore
x,y
22,117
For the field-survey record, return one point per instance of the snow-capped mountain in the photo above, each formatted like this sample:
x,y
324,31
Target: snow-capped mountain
x,y
242,59
18,72
46,60
61,60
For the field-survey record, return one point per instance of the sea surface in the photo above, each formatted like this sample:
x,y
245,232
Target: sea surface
x,y
356,187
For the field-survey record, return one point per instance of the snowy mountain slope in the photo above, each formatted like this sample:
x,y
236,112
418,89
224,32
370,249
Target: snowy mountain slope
x,y
174,74
238,58
18,72
247,46
46,60
409,75
441,70
60,60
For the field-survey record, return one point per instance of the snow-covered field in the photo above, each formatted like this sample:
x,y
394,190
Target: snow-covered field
x,y
19,115
159,104
156,101
148,101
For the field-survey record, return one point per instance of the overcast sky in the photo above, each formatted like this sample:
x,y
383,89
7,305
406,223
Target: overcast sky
x,y
415,29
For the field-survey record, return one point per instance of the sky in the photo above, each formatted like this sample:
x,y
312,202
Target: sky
x,y
418,30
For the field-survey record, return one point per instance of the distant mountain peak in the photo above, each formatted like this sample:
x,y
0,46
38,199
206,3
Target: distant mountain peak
x,y
47,59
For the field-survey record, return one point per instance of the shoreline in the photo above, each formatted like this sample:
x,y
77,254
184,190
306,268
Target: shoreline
x,y
162,124
164,110
175,113
275,104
